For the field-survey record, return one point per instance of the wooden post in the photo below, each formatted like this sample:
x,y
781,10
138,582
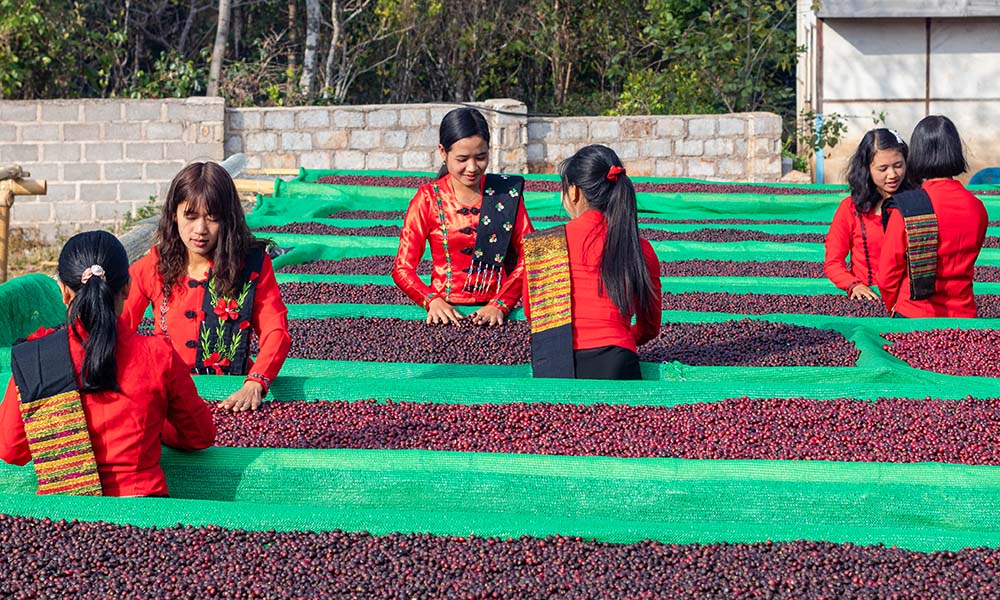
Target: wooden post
x,y
13,183
254,186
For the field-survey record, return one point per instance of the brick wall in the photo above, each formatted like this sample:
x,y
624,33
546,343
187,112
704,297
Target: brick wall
x,y
103,158
730,147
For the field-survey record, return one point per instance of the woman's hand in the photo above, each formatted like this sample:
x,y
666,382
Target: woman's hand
x,y
487,315
248,397
440,312
863,292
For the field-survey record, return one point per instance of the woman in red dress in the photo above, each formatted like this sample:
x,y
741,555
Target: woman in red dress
x,y
933,234
475,225
113,412
586,280
876,171
211,283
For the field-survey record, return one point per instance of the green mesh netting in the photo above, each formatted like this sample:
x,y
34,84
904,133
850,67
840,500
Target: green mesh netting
x,y
922,507
27,303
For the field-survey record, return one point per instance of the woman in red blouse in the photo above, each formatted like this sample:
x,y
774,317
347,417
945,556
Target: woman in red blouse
x,y
613,273
876,171
475,224
211,282
98,372
939,282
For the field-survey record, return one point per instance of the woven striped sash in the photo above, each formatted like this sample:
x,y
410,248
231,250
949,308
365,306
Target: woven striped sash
x,y
54,422
546,266
922,241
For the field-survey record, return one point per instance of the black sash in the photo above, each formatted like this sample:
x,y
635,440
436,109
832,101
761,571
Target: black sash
x,y
921,239
492,257
55,425
546,270
224,337
43,367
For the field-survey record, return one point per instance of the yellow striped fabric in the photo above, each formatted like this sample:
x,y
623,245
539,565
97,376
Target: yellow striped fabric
x,y
57,434
546,265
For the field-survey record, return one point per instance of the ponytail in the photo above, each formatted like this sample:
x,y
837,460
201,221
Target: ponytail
x,y
95,266
599,174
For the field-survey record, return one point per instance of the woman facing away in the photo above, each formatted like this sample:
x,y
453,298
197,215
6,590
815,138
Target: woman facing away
x,y
585,280
933,234
475,224
212,284
876,171
83,402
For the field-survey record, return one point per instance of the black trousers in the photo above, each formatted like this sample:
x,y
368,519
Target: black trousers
x,y
608,362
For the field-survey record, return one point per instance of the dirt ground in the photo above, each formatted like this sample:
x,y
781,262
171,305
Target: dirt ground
x,y
28,254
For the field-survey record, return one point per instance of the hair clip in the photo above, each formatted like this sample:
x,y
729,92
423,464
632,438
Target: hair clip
x,y
899,138
614,172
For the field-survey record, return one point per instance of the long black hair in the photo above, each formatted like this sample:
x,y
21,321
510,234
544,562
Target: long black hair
x,y
624,276
459,124
93,306
937,149
864,194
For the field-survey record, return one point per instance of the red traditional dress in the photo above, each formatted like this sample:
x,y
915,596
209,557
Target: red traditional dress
x,y
961,230
858,235
126,427
436,216
183,320
586,337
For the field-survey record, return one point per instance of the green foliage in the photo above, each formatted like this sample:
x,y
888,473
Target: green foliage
x,y
827,135
172,77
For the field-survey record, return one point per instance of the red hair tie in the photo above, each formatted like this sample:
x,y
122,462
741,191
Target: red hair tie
x,y
614,172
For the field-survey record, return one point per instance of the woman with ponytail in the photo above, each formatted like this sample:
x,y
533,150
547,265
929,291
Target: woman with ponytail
x,y
475,224
585,281
83,403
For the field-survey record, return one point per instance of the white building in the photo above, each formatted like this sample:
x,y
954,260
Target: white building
x,y
906,59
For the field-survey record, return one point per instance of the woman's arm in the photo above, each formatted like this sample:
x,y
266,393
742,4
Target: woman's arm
x,y
142,275
892,261
412,242
189,425
838,245
13,441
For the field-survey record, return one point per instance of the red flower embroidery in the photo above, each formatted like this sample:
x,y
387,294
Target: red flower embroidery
x,y
227,310
244,325
254,275
216,364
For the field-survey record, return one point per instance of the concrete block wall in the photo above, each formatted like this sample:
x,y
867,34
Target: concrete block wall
x,y
103,158
381,136
729,147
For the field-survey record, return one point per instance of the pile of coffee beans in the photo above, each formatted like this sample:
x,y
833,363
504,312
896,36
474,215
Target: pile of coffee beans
x,y
894,430
341,293
749,343
729,236
313,228
365,265
971,352
734,268
60,559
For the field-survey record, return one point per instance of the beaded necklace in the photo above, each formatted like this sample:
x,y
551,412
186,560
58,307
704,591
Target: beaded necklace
x,y
864,243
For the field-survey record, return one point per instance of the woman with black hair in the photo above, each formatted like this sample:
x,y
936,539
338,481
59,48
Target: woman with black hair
x,y
474,223
82,401
211,282
876,171
933,234
584,281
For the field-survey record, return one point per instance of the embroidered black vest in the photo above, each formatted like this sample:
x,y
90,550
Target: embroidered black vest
x,y
224,337
492,257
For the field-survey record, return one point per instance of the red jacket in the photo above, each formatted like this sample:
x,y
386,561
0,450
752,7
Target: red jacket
x,y
962,224
845,238
184,315
126,427
422,225
597,322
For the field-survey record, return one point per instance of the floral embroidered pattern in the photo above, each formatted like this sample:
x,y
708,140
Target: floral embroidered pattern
x,y
444,242
490,191
486,220
493,238
216,354
498,258
513,192
500,206
507,226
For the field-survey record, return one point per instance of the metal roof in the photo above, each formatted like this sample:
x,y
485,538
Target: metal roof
x,y
865,9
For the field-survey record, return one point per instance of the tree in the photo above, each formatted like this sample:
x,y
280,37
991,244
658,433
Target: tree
x,y
219,48
314,18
